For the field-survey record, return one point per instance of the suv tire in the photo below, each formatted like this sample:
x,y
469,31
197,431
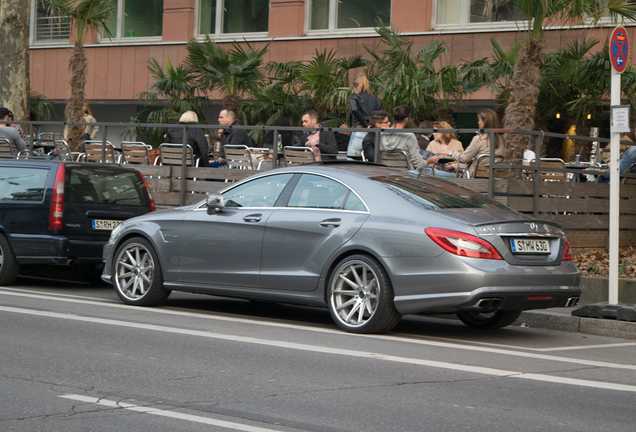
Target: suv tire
x,y
9,267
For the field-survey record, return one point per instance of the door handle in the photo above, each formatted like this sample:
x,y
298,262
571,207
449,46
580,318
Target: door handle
x,y
253,218
331,223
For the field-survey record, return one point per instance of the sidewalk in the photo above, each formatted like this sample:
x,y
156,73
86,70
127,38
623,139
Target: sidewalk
x,y
561,319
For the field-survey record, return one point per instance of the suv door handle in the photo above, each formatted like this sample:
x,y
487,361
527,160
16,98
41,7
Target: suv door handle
x,y
331,223
253,218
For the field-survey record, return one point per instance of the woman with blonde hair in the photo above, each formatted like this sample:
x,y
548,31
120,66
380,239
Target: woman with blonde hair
x,y
480,144
445,142
362,104
196,137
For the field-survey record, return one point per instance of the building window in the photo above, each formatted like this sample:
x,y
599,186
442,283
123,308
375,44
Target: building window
x,y
233,16
50,24
136,19
334,15
474,12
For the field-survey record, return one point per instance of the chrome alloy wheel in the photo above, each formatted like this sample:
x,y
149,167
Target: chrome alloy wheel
x,y
355,292
134,271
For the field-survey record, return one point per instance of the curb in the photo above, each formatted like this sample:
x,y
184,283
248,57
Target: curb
x,y
560,321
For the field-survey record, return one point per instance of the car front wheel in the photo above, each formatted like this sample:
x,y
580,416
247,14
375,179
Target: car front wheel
x,y
490,320
9,266
361,296
137,274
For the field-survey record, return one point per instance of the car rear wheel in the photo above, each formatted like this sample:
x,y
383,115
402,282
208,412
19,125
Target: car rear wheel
x,y
9,266
361,296
137,274
490,320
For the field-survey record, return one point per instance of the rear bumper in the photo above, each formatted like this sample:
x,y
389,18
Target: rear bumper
x,y
58,250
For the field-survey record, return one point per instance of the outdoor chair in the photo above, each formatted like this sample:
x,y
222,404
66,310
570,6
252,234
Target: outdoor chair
x,y
545,174
627,180
298,155
172,154
135,152
6,151
64,152
238,156
482,167
93,152
395,159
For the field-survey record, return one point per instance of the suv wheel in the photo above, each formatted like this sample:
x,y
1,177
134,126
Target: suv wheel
x,y
9,267
137,274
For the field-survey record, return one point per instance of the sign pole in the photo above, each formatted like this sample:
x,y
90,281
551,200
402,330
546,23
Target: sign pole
x,y
614,194
619,55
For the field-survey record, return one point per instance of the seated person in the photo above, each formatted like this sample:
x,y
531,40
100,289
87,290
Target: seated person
x,y
625,164
322,142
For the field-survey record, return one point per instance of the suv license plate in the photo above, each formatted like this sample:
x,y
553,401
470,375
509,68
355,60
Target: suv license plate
x,y
530,246
109,225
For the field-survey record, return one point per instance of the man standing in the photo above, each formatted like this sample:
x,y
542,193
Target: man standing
x,y
323,140
9,133
230,136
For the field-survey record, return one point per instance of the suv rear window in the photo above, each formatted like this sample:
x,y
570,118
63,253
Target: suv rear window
x,y
104,186
435,194
22,184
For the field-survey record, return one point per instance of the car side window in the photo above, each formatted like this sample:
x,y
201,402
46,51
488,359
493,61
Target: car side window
x,y
22,184
262,192
313,191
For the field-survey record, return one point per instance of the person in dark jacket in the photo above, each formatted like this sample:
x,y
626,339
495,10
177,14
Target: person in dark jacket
x,y
322,139
196,137
231,136
362,105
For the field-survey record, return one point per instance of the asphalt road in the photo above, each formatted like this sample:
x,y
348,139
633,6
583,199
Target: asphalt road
x,y
74,358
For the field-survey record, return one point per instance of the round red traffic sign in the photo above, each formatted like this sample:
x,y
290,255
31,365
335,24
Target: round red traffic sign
x,y
619,49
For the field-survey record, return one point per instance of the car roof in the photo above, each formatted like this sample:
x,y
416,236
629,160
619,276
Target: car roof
x,y
69,164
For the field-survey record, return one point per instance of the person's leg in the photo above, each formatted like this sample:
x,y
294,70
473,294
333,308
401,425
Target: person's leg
x,y
628,159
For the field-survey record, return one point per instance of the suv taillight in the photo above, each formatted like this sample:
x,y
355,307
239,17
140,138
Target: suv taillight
x,y
462,244
567,252
56,212
152,202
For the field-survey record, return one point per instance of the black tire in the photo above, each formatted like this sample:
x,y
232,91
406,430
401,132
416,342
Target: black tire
x,y
491,320
360,296
9,267
136,274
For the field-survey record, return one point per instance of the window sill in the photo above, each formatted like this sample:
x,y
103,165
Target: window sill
x,y
129,40
231,37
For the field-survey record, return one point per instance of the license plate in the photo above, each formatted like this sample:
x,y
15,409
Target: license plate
x,y
530,246
108,225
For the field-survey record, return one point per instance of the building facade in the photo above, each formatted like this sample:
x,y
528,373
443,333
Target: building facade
x,y
295,29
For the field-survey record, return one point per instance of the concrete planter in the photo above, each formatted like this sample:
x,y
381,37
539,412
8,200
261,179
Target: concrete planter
x,y
596,290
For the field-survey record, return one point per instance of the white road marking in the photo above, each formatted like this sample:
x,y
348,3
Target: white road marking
x,y
453,344
166,413
327,350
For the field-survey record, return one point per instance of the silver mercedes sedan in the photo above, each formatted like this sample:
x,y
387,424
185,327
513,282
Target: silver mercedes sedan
x,y
367,242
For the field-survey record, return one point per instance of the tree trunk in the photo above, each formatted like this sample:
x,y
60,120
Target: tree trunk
x,y
522,101
74,111
14,57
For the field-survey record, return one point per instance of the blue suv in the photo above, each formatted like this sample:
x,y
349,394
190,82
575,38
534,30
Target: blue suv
x,y
61,214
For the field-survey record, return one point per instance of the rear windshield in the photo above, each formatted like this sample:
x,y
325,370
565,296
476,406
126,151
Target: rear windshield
x,y
104,186
22,184
435,194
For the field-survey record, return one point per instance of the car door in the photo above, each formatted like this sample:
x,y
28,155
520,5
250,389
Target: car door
x,y
224,248
319,217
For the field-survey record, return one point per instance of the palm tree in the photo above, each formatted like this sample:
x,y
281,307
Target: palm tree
x,y
177,86
235,72
541,15
85,15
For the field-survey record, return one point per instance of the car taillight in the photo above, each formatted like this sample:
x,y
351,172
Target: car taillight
x,y
56,211
462,244
567,253
152,202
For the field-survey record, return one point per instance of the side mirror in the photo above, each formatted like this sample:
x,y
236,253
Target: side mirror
x,y
214,203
